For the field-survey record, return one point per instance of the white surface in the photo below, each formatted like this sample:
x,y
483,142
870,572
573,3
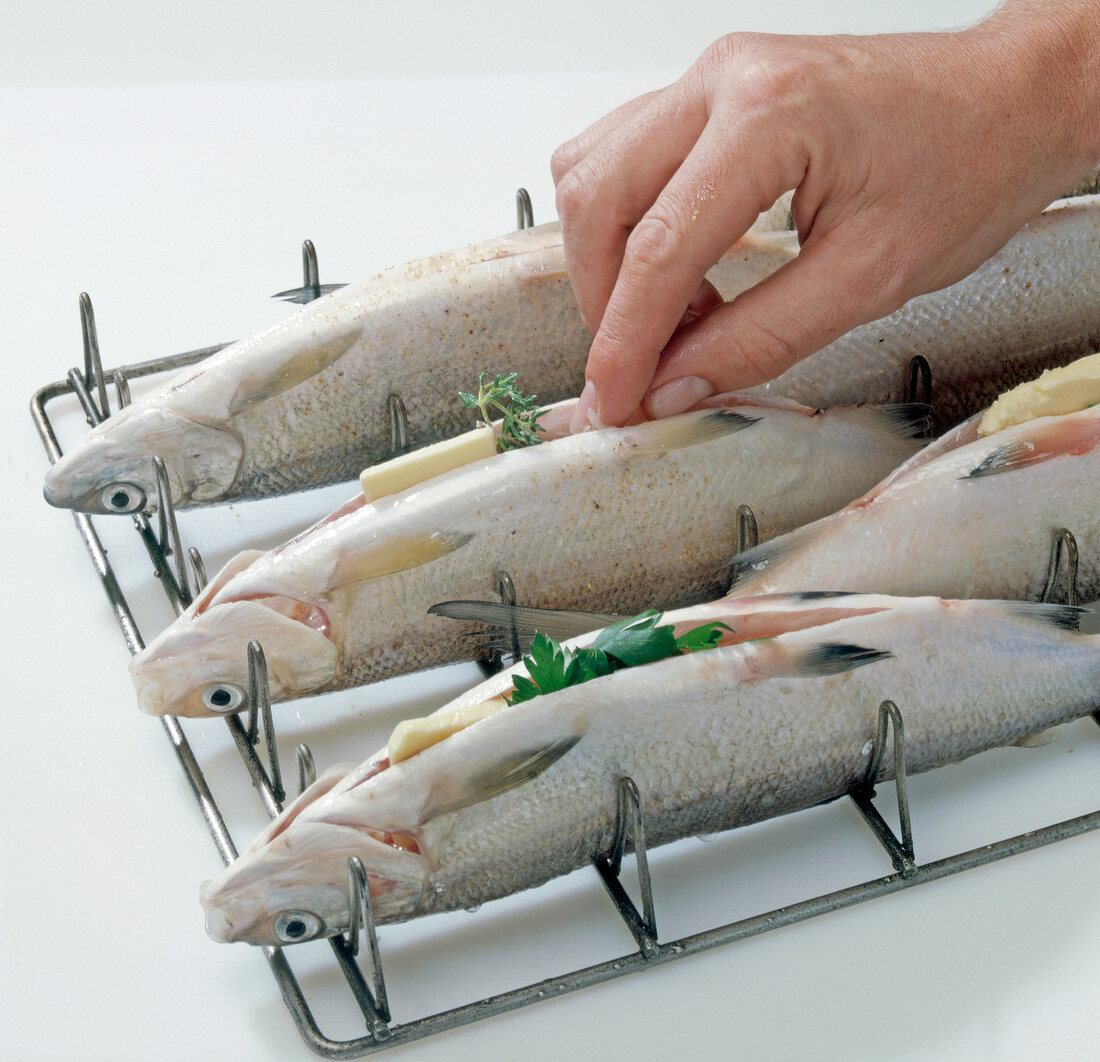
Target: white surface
x,y
171,166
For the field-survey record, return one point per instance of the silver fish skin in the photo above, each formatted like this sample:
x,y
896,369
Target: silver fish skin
x,y
1033,305
618,519
966,517
304,403
714,740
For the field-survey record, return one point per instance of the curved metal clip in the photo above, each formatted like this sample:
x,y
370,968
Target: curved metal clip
x,y
506,590
259,706
919,389
748,534
93,366
525,214
307,769
399,425
628,817
311,288
169,542
361,919
901,852
1063,539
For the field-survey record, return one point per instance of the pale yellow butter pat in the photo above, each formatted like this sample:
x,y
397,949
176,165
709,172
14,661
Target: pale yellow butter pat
x,y
413,735
1066,390
400,473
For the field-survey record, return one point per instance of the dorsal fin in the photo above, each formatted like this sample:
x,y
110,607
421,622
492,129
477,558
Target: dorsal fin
x,y
555,623
688,429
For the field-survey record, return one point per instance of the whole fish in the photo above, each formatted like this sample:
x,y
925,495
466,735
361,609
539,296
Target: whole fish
x,y
716,739
967,517
304,402
617,519
1033,305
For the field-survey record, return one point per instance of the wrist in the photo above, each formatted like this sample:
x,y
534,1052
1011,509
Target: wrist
x,y
1050,52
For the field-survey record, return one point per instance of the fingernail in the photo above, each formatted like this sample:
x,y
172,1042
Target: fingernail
x,y
584,414
678,396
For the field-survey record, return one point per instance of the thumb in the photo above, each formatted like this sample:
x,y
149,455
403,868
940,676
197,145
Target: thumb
x,y
812,300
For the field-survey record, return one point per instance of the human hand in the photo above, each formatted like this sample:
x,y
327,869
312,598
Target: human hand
x,y
913,158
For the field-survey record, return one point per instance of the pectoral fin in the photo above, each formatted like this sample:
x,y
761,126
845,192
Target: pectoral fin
x,y
453,793
385,558
300,363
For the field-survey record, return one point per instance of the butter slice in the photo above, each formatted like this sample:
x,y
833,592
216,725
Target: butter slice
x,y
412,735
1066,390
400,473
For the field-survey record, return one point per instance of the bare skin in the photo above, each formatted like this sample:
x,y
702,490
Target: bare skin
x,y
913,158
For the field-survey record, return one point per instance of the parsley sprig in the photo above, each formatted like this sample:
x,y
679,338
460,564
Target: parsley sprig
x,y
519,412
633,641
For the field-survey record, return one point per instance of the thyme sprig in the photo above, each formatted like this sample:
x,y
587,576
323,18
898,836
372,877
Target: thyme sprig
x,y
518,411
633,641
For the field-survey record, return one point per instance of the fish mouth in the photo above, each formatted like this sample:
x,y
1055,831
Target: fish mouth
x,y
199,668
294,888
111,470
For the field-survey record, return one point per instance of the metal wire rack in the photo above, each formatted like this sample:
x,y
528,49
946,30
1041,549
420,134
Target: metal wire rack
x,y
181,574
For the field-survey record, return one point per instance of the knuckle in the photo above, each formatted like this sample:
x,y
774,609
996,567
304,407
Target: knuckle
x,y
561,162
576,188
653,241
766,351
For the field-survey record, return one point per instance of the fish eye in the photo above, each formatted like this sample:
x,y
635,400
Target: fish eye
x,y
122,498
293,926
223,697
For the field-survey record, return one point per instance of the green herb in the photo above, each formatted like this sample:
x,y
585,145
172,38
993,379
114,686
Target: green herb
x,y
633,641
519,412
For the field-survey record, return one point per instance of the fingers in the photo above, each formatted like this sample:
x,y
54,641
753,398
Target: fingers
x,y
709,202
805,305
615,171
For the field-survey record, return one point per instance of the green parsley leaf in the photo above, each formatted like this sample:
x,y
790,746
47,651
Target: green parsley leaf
x,y
628,643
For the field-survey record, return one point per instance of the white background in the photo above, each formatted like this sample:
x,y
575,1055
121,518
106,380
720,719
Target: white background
x,y
169,159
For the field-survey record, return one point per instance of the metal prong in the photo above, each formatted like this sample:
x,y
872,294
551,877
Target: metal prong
x,y
399,425
747,533
168,538
1063,538
525,214
307,769
362,919
311,288
507,591
122,388
920,372
628,817
259,706
901,852
93,366
198,570
311,275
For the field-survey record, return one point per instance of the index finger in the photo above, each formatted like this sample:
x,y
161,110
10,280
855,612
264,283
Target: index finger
x,y
709,203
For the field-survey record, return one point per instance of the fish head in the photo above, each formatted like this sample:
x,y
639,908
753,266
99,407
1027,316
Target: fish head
x,y
292,883
111,469
198,666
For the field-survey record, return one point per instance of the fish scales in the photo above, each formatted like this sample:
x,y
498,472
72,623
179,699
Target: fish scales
x,y
1032,306
304,403
940,526
617,519
714,740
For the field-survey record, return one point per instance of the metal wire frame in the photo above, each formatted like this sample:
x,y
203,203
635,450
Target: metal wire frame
x,y
183,580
